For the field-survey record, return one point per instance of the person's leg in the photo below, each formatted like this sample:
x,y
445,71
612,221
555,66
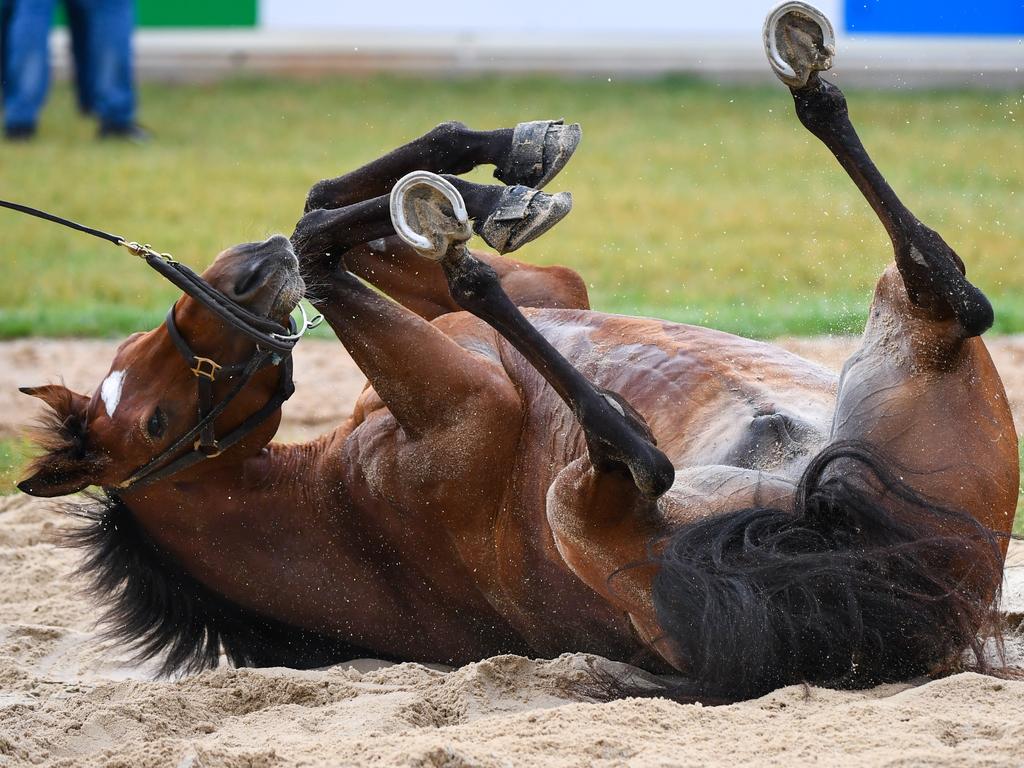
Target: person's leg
x,y
78,28
110,25
26,64
5,20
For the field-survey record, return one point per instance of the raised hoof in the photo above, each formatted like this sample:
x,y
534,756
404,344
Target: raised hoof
x,y
799,41
540,149
523,214
429,214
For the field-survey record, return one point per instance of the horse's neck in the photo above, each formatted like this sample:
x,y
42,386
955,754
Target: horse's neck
x,y
239,519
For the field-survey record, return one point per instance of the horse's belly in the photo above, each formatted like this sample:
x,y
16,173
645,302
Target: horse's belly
x,y
710,398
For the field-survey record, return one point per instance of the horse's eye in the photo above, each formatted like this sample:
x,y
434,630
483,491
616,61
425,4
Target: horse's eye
x,y
157,423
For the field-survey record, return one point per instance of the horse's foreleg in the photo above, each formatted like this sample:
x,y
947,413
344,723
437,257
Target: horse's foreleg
x,y
420,373
529,154
507,217
617,436
325,235
449,148
602,509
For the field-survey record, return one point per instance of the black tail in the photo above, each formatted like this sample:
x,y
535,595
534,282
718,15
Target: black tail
x,y
864,582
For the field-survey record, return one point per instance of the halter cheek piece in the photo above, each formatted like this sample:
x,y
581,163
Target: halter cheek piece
x,y
201,439
274,344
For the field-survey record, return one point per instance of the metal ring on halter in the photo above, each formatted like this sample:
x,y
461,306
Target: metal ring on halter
x,y
401,189
307,325
779,65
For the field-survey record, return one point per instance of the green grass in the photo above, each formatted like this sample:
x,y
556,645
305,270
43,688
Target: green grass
x,y
694,202
14,455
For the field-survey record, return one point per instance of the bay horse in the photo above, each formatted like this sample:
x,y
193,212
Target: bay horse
x,y
525,475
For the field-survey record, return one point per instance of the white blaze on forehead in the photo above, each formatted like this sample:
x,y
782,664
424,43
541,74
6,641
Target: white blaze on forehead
x,y
110,391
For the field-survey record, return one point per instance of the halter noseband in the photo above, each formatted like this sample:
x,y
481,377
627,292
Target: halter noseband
x,y
274,345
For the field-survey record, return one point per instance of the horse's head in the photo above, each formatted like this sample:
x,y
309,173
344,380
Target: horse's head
x,y
150,397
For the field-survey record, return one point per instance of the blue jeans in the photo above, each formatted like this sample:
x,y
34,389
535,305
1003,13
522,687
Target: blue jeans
x,y
101,47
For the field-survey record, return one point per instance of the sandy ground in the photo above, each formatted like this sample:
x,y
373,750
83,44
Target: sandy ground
x,y
66,700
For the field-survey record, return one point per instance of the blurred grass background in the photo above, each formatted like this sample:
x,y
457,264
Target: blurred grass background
x,y
693,202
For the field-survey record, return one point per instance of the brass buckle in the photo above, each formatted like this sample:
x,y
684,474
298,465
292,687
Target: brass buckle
x,y
208,451
204,366
145,251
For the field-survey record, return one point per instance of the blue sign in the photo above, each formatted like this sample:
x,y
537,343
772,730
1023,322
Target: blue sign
x,y
935,17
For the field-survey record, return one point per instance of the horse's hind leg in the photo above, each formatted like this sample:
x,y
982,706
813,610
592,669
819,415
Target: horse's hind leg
x,y
922,387
933,274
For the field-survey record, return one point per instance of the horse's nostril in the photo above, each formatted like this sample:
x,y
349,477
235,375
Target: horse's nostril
x,y
251,280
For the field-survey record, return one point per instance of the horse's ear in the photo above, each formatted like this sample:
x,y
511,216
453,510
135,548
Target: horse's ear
x,y
52,479
66,466
62,400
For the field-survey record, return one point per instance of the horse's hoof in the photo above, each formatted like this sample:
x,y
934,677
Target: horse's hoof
x,y
540,149
429,214
799,41
523,214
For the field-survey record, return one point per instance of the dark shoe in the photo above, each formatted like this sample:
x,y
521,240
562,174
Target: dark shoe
x,y
132,132
19,132
522,214
540,149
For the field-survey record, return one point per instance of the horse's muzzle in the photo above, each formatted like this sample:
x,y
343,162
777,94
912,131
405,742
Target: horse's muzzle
x,y
265,277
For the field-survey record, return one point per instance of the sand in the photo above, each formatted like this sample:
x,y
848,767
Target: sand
x,y
66,700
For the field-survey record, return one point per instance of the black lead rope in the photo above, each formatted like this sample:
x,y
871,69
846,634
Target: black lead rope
x,y
62,221
265,332
274,344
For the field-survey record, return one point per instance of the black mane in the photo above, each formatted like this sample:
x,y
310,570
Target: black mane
x,y
160,610
850,588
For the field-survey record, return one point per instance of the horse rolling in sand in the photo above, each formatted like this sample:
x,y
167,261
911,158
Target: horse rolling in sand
x,y
525,475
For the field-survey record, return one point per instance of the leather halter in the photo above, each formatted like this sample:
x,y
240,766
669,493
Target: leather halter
x,y
274,344
202,438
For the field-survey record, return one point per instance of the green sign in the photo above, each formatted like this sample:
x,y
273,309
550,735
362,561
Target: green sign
x,y
188,13
196,13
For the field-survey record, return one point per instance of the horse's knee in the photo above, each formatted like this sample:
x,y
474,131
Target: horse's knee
x,y
896,323
312,245
569,287
320,195
603,533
